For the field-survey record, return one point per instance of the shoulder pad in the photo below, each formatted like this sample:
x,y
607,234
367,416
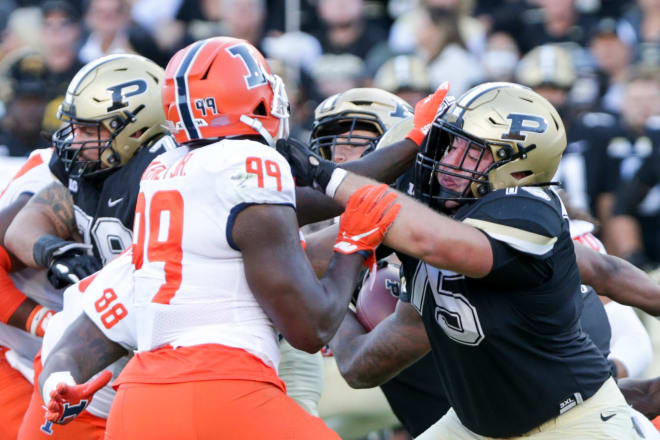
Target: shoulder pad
x,y
528,219
598,119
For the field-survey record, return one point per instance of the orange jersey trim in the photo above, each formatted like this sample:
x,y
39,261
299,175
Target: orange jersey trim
x,y
32,162
196,363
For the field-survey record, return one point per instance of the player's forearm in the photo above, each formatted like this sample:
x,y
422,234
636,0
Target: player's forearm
x,y
366,360
338,284
643,395
425,234
26,229
398,157
319,248
48,212
618,280
314,206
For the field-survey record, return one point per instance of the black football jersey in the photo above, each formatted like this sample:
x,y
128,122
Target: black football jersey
x,y
509,348
105,205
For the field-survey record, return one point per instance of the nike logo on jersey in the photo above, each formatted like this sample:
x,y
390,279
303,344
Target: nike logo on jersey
x,y
605,418
112,203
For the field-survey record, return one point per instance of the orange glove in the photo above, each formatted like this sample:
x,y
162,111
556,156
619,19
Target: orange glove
x,y
426,110
369,213
68,400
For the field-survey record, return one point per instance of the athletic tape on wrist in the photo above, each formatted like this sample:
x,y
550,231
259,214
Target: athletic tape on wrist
x,y
336,178
53,381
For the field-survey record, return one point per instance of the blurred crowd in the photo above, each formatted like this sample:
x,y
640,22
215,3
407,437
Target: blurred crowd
x,y
597,61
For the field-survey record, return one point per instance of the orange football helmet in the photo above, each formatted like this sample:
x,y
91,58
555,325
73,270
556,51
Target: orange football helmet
x,y
222,87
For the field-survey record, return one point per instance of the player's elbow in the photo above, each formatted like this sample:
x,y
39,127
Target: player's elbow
x,y
355,377
306,344
310,341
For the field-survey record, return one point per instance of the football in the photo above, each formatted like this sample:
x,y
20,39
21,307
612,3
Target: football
x,y
377,298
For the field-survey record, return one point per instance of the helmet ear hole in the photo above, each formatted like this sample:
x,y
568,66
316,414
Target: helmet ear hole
x,y
260,110
518,175
138,133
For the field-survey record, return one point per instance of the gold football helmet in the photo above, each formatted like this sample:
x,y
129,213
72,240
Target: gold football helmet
x,y
519,128
368,109
120,93
549,65
396,132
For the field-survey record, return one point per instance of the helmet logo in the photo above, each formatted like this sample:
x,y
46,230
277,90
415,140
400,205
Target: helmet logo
x,y
256,76
518,125
137,87
400,111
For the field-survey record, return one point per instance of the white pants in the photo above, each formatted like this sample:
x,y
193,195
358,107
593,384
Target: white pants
x,y
582,422
303,375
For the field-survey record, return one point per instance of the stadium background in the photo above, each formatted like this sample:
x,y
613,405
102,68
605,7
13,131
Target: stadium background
x,y
585,53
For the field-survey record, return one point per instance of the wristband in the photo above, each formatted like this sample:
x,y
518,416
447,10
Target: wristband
x,y
53,381
34,321
336,178
365,253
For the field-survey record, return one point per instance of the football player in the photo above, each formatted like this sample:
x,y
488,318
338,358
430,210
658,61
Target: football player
x,y
113,127
216,239
348,125
418,401
495,288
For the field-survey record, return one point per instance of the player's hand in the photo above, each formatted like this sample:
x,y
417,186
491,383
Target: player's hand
x,y
67,261
427,110
307,167
70,268
67,401
369,214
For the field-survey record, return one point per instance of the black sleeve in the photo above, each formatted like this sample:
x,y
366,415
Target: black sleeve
x,y
514,269
527,220
57,168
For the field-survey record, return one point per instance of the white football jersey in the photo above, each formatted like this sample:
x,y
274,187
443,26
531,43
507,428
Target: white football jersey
x,y
190,285
32,177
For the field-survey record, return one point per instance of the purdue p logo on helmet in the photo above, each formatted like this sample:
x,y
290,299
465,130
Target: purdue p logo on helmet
x,y
120,93
338,117
518,127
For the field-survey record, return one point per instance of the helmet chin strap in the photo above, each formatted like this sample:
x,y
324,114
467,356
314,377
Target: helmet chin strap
x,y
279,109
256,125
